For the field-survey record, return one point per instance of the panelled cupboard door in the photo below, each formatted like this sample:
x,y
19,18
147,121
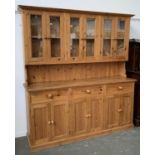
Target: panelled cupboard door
x,y
95,112
59,119
74,31
78,115
126,109
113,114
55,36
40,122
35,31
90,37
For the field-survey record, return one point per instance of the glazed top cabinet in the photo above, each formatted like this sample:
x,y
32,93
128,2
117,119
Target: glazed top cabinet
x,y
56,36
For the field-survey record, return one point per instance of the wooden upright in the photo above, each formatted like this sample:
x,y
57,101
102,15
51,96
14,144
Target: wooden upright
x,y
76,80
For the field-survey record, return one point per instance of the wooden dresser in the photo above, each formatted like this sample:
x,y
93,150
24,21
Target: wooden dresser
x,y
76,80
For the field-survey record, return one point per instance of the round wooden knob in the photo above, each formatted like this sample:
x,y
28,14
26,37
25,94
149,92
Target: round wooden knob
x,y
120,87
88,91
49,95
52,122
49,122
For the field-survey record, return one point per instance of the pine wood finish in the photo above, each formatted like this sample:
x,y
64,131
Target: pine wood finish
x,y
76,80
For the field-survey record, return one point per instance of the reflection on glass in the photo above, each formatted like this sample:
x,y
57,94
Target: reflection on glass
x,y
90,47
74,36
107,28
55,47
90,30
120,46
37,48
36,26
55,26
106,47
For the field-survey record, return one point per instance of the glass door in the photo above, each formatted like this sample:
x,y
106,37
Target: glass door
x,y
74,36
90,33
106,41
35,21
120,37
54,37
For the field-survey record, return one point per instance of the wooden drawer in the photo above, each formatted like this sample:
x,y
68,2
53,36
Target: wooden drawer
x,y
48,95
119,88
89,90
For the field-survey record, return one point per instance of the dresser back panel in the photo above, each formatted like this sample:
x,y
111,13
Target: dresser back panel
x,y
50,73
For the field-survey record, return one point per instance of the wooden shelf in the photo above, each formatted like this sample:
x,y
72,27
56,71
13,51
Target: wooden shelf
x,y
76,83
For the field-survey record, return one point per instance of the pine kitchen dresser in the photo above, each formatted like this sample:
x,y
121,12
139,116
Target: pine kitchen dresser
x,y
76,82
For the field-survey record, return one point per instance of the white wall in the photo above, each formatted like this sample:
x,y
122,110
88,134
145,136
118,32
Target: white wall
x,y
119,6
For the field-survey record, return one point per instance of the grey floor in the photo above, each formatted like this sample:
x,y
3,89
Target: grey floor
x,y
119,143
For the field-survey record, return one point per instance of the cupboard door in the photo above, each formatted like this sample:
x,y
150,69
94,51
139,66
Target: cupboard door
x,y
107,35
121,36
96,111
40,117
90,35
36,33
113,114
125,109
54,37
80,115
59,119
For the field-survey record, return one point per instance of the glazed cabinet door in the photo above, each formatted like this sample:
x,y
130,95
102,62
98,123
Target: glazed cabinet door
x,y
122,25
90,37
73,37
113,111
55,37
107,36
34,33
59,119
126,109
40,122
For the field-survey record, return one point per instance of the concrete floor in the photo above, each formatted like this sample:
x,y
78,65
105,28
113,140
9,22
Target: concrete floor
x,y
119,143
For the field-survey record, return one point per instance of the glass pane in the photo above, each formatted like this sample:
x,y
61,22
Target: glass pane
x,y
120,46
55,47
108,24
107,28
90,30
74,36
121,25
37,50
90,47
106,47
36,26
74,28
75,47
55,26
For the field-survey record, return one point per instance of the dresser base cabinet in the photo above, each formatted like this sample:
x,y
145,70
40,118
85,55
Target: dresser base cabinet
x,y
61,116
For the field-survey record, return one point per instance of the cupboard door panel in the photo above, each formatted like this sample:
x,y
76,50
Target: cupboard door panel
x,y
80,123
40,122
59,119
126,109
96,110
113,115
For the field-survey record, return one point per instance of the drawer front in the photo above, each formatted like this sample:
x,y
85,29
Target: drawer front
x,y
119,88
48,95
93,90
